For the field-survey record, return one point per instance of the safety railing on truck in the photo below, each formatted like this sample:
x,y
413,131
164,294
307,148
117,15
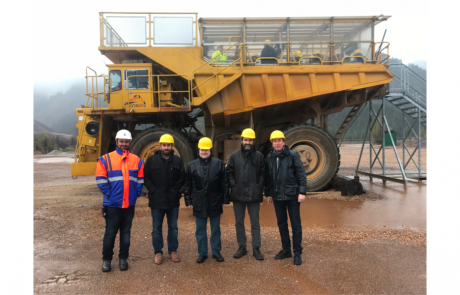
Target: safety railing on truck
x,y
219,68
158,92
147,29
93,97
378,53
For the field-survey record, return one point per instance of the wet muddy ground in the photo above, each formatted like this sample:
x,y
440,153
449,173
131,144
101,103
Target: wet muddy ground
x,y
371,245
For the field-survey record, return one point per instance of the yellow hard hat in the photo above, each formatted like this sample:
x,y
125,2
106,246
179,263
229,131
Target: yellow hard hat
x,y
357,51
268,41
248,133
254,54
317,52
205,143
166,138
298,53
276,134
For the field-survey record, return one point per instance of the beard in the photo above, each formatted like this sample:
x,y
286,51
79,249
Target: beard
x,y
165,152
247,147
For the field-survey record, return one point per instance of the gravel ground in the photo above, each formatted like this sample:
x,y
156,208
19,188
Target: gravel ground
x,y
343,252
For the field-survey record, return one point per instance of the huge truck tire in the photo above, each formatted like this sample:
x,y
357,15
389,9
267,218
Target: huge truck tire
x,y
147,142
318,152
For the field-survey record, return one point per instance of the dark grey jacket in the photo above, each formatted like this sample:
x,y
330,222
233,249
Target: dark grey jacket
x,y
246,176
206,187
164,180
286,177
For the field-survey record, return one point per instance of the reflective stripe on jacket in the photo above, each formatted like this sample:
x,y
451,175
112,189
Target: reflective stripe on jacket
x,y
120,177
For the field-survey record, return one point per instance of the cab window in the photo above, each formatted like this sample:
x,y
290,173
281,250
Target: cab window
x,y
136,82
115,80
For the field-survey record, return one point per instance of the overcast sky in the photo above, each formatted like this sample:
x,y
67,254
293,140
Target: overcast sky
x,y
66,33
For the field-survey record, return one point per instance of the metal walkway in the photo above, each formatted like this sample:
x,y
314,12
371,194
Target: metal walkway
x,y
407,92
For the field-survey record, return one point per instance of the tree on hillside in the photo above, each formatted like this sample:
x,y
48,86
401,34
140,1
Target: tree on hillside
x,y
45,144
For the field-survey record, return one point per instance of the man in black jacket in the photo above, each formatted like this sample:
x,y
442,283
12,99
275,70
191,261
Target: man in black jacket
x,y
268,51
286,187
246,176
164,177
206,190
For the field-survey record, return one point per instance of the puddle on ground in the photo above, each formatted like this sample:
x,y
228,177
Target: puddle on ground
x,y
400,209
54,160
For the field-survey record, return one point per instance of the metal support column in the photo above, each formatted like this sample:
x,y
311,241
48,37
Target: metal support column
x,y
383,139
370,138
404,139
403,176
419,144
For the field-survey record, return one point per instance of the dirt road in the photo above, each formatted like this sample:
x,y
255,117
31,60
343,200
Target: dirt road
x,y
374,246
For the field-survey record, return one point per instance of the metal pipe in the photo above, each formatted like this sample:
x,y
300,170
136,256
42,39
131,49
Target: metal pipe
x,y
396,152
377,156
364,142
383,136
404,138
419,143
411,158
370,137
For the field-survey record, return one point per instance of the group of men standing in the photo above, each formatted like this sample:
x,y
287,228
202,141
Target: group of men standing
x,y
207,185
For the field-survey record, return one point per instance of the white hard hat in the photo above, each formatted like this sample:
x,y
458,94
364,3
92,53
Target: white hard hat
x,y
123,134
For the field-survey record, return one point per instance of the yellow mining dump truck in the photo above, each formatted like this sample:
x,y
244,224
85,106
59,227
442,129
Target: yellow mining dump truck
x,y
173,72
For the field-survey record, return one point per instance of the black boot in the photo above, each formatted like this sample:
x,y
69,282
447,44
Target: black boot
x,y
283,254
241,252
218,257
256,253
123,264
106,265
297,259
201,258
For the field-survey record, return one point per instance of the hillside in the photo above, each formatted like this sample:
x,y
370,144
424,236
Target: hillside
x,y
58,111
40,128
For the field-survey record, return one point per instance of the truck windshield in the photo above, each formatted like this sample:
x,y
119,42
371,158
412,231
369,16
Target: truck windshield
x,y
137,82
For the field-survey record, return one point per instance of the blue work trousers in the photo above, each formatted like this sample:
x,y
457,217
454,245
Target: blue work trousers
x,y
201,235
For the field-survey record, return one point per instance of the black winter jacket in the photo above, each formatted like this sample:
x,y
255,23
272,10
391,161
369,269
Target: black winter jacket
x,y
246,176
206,187
164,180
268,51
286,177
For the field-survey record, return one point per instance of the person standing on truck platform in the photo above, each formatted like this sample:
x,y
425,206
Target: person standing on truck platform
x,y
357,52
298,55
221,57
246,177
286,187
120,177
268,51
206,190
164,177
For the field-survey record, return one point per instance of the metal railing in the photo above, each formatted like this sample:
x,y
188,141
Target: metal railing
x,y
105,27
158,91
382,58
111,34
408,82
94,96
214,62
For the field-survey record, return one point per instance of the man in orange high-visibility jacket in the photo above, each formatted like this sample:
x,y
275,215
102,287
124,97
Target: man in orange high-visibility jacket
x,y
120,177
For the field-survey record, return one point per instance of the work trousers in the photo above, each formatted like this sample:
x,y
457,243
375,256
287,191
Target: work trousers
x,y
158,216
282,208
201,235
117,219
239,208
